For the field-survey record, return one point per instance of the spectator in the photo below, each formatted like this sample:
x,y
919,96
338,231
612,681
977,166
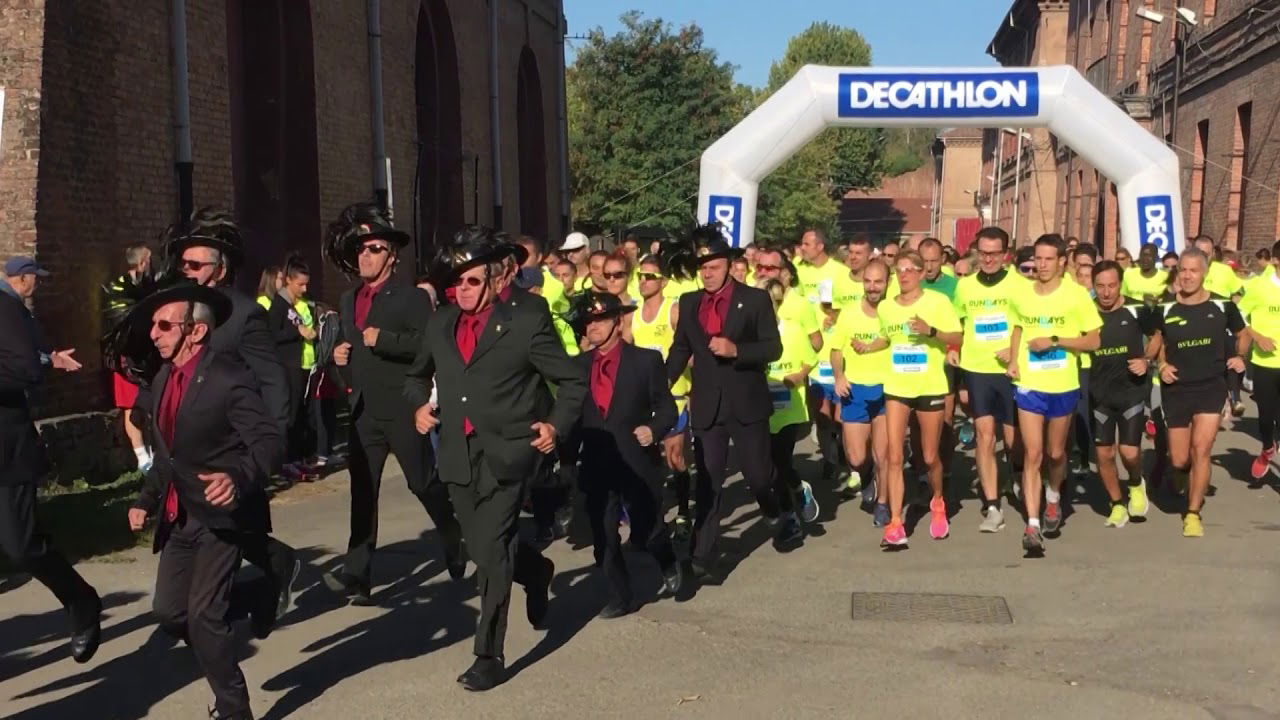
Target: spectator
x,y
292,324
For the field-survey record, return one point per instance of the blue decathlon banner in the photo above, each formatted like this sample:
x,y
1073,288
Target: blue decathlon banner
x,y
938,95
1155,218
727,210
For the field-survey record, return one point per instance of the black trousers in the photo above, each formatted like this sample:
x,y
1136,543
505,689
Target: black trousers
x,y
192,600
782,447
296,437
751,443
25,546
1266,392
607,489
489,513
372,440
324,424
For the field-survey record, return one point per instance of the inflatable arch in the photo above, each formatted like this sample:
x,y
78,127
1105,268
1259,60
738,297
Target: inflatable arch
x,y
1059,98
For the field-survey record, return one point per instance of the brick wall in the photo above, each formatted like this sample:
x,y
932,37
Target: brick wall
x,y
22,37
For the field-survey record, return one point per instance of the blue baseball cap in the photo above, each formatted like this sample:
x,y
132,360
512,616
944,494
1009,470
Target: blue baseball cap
x,y
18,266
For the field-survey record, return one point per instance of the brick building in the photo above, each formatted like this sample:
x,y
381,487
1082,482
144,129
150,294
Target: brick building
x,y
281,102
1218,109
957,191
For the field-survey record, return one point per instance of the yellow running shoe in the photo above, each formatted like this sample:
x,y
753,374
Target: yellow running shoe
x,y
1191,525
1119,516
1138,503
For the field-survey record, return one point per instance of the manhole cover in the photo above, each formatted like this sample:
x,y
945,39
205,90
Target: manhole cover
x,y
930,607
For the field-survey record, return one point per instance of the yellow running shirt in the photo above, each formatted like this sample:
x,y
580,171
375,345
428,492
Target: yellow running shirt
x,y
676,288
916,362
1067,312
987,325
789,402
859,368
819,283
1138,286
799,311
658,335
1260,307
1222,280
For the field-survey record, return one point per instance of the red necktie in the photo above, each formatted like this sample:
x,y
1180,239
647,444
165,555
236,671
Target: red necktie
x,y
167,420
602,385
714,324
468,337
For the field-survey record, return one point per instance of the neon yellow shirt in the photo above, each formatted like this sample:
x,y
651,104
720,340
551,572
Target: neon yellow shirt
x,y
859,368
1222,280
1260,307
658,334
846,292
819,283
303,308
917,361
1138,286
1067,312
789,402
987,325
676,288
949,270
799,311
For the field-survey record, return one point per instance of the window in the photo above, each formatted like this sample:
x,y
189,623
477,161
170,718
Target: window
x,y
1195,220
1239,171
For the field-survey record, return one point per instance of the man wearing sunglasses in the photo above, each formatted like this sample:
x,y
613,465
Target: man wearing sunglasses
x,y
382,324
492,355
208,250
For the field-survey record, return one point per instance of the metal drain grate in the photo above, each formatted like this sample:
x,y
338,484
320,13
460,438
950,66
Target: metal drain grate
x,y
930,607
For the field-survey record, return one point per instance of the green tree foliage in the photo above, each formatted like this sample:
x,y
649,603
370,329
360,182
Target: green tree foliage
x,y
643,106
805,191
906,149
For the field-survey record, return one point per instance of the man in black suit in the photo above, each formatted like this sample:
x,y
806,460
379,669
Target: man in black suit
x,y
208,249
629,407
491,357
382,326
215,445
22,460
730,332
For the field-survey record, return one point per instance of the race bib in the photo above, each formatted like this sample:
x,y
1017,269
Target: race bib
x,y
824,292
826,375
910,358
1051,359
781,395
990,328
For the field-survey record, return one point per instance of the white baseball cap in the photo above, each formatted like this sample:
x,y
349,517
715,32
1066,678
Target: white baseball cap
x,y
574,241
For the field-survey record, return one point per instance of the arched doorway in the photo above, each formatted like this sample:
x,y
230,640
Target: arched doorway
x,y
438,184
531,148
273,134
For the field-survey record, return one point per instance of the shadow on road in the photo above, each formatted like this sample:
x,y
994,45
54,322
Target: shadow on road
x,y
22,632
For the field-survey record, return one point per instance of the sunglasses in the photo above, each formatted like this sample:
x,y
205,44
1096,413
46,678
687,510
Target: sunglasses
x,y
761,267
374,249
471,282
196,265
1026,269
614,275
169,326
649,276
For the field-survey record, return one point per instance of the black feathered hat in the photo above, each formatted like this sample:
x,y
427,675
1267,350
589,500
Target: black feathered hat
x,y
127,348
681,257
591,305
207,227
473,246
357,224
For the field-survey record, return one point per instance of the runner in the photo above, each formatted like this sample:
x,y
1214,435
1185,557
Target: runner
x,y
1148,281
862,398
1053,324
1260,306
983,304
1119,386
917,326
1198,350
932,252
771,264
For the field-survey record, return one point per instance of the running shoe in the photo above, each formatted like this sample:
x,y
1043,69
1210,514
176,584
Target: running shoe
x,y
1052,517
992,520
1191,525
1119,516
965,434
852,484
881,516
939,528
1262,464
1032,541
1237,408
894,536
808,505
1138,500
789,531
869,491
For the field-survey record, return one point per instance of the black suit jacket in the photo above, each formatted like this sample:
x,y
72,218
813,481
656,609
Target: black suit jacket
x,y
723,388
400,312
245,335
502,390
641,396
222,426
284,334
22,458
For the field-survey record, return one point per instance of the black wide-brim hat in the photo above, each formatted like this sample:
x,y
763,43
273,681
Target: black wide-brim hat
x,y
209,228
598,305
127,348
356,225
477,246
714,249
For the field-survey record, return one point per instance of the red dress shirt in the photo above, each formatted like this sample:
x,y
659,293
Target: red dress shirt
x,y
364,301
713,309
467,335
604,370
167,418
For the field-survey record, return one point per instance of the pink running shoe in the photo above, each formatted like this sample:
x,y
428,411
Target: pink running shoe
x,y
894,536
1262,465
939,528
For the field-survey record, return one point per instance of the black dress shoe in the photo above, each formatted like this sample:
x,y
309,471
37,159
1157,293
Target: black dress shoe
x,y
673,579
456,562
348,586
484,674
286,576
537,595
85,640
616,609
702,572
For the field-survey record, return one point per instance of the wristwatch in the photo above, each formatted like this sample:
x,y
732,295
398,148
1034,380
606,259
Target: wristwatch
x,y
1054,339
933,332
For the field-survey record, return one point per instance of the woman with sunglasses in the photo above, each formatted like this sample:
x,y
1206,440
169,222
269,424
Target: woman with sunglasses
x,y
917,326
617,277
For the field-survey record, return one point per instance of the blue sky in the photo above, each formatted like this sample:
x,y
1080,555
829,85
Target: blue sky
x,y
753,33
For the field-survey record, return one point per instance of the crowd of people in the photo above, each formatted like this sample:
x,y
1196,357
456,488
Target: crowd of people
x,y
513,374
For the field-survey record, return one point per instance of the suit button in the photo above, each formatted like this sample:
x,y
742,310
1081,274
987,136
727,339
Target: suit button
x,y
464,398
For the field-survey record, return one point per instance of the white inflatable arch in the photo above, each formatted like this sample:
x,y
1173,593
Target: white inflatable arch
x,y
1059,98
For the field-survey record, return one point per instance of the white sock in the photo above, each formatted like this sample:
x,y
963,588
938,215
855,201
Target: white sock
x,y
1034,522
1051,495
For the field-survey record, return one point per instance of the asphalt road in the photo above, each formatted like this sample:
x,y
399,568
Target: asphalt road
x,y
1135,623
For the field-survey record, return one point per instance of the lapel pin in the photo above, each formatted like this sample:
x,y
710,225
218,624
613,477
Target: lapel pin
x,y
739,306
499,328
199,379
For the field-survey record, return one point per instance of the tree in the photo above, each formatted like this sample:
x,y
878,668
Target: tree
x,y
643,106
805,190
